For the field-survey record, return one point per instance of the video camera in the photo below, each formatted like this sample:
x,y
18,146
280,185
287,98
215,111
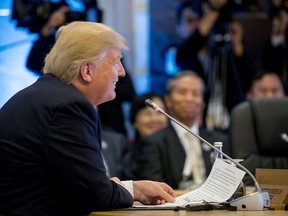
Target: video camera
x,y
33,14
220,33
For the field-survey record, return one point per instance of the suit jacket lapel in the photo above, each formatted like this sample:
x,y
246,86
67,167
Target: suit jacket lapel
x,y
176,154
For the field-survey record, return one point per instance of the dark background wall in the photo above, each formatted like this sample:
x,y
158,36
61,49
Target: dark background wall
x,y
162,34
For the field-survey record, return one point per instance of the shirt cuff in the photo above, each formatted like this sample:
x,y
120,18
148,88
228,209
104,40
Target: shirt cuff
x,y
128,185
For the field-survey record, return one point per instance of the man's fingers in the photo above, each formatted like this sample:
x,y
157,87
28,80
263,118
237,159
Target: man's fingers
x,y
166,195
168,189
158,201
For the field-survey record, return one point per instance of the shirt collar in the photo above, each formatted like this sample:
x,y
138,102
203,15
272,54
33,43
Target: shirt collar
x,y
181,131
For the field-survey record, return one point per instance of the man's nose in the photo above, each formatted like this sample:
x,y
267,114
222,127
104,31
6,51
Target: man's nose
x,y
121,71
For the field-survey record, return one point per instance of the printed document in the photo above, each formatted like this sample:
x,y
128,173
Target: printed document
x,y
220,185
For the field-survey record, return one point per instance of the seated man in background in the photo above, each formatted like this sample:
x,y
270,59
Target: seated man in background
x,y
50,141
266,85
259,125
172,154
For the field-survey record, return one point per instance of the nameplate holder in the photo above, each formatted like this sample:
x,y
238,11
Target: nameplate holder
x,y
275,182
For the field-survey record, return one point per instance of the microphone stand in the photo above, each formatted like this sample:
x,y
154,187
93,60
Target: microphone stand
x,y
258,200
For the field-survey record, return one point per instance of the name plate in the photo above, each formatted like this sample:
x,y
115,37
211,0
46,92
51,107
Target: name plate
x,y
275,182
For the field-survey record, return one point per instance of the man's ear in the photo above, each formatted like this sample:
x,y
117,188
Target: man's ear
x,y
86,72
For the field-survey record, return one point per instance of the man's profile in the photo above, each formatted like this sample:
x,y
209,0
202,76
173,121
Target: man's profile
x,y
50,140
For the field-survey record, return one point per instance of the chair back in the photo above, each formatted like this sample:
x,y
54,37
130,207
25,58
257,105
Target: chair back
x,y
259,133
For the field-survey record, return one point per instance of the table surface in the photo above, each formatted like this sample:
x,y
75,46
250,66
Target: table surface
x,y
187,213
126,212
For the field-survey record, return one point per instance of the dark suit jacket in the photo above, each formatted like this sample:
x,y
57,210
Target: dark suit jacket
x,y
162,156
113,145
50,154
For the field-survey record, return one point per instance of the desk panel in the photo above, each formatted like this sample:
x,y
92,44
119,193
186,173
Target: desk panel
x,y
188,213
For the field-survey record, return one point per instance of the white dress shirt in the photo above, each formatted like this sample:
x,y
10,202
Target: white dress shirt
x,y
194,163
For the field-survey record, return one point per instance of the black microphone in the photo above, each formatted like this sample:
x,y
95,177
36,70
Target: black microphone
x,y
260,200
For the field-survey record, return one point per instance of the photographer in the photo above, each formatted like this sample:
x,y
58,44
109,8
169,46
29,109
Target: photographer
x,y
275,52
44,18
203,52
46,40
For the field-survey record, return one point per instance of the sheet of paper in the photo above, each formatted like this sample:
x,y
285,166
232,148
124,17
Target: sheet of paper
x,y
220,185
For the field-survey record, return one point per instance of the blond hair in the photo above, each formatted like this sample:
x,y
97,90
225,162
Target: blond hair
x,y
77,43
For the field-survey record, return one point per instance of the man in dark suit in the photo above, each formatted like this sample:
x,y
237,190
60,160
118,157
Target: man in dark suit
x,y
166,155
50,141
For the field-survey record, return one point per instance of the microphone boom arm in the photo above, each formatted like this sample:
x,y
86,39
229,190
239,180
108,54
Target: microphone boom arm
x,y
154,106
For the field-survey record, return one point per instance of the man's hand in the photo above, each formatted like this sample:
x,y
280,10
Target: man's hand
x,y
115,179
155,193
56,19
210,16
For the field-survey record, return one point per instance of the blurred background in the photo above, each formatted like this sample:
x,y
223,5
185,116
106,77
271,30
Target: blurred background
x,y
19,31
148,26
